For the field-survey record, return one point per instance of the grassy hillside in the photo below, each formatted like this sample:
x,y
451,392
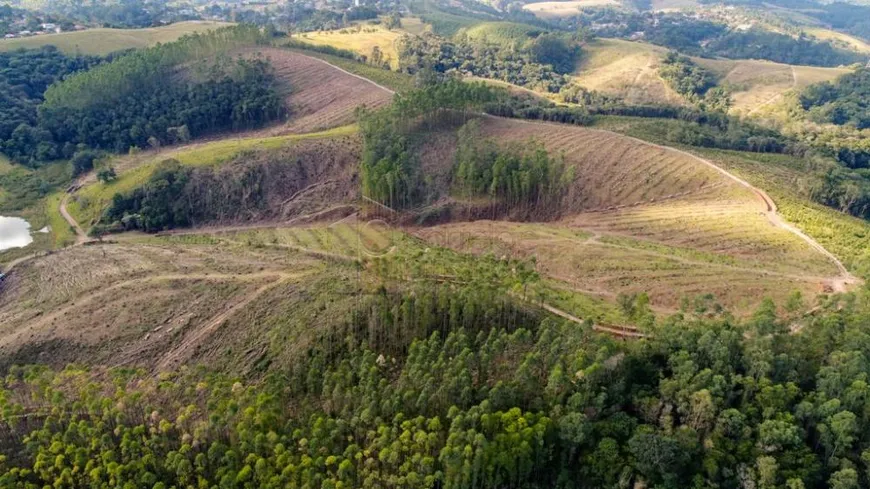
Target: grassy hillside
x,y
785,179
502,33
133,171
359,41
839,39
104,41
625,69
755,84
570,8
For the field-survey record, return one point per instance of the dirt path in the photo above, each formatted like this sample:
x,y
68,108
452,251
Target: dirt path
x,y
794,82
839,283
175,357
388,90
81,236
86,299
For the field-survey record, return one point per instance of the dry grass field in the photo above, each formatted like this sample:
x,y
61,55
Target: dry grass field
x,y
569,8
755,84
625,69
104,41
361,39
839,39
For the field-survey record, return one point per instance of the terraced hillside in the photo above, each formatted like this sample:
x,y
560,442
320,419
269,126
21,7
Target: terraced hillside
x,y
640,217
321,96
625,69
103,41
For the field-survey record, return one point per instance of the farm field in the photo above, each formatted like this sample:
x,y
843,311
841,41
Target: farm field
x,y
362,41
556,10
625,69
102,41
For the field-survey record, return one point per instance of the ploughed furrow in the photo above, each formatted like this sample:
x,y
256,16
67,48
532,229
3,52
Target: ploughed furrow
x,y
610,169
319,96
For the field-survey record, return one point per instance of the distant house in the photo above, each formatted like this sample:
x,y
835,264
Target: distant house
x,y
25,33
9,36
48,26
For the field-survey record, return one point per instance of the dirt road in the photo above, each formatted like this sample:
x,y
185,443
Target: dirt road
x,y
81,236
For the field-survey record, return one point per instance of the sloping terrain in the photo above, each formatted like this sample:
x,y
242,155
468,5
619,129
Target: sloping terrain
x,y
557,10
640,217
625,69
755,84
321,96
103,41
362,40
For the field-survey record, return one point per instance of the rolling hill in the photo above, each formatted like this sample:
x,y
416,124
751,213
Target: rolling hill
x,y
637,217
625,69
103,41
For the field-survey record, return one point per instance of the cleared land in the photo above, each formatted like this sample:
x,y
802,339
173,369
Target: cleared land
x,y
625,69
556,10
321,96
648,218
104,41
89,202
361,39
756,84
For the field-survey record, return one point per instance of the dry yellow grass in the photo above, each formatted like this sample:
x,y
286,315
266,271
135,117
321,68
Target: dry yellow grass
x,y
839,38
555,10
104,41
625,69
757,84
361,38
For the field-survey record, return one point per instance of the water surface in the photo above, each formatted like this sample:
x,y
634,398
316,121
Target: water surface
x,y
14,233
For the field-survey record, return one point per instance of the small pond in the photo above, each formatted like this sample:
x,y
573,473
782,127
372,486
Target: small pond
x,y
14,233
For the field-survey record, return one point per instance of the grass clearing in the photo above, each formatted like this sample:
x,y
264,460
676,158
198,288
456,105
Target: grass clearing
x,y
505,34
362,41
839,39
89,202
570,8
625,69
103,41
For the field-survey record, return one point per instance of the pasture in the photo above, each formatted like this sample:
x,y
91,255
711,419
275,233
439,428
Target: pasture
x,y
102,41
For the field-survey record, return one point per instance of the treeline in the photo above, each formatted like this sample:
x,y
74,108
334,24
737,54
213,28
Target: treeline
x,y
539,64
841,102
459,387
166,94
24,77
389,170
520,175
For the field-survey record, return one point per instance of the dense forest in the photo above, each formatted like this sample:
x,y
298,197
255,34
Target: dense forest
x,y
521,175
25,75
539,64
844,101
462,386
166,94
